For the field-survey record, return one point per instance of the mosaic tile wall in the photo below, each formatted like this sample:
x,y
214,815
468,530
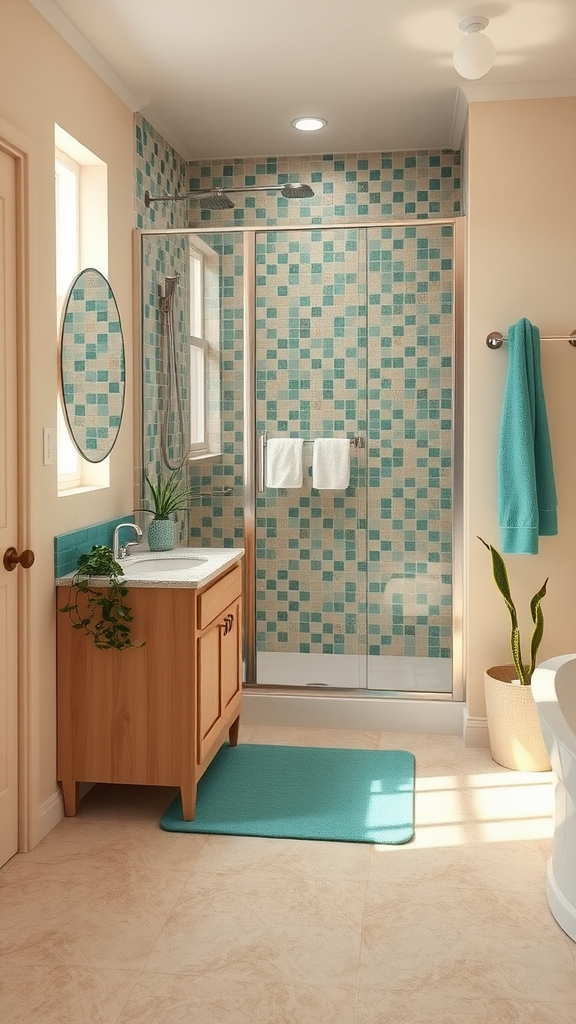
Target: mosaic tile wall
x,y
409,516
159,170
352,187
354,337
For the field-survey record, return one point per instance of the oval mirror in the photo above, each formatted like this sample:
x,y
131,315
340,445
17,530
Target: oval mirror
x,y
92,371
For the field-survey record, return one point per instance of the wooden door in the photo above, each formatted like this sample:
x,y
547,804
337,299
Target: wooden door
x,y
8,515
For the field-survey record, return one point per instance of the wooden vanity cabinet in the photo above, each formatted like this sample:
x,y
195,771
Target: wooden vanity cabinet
x,y
154,715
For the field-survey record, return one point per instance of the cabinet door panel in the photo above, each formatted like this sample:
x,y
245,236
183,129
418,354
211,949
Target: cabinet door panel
x,y
230,659
209,709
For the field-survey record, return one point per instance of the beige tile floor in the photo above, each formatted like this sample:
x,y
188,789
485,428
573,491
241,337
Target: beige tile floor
x,y
112,921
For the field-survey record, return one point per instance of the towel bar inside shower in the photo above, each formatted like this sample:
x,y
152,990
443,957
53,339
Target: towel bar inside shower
x,y
355,442
495,339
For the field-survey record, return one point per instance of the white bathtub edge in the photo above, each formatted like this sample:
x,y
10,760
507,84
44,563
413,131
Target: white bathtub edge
x,y
562,910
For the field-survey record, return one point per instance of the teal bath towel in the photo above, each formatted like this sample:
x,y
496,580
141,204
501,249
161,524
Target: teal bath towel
x,y
526,489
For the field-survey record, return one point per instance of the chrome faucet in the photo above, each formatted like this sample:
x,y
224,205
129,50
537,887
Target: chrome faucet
x,y
118,551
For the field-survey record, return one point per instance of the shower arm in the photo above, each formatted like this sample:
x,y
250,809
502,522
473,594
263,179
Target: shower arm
x,y
198,192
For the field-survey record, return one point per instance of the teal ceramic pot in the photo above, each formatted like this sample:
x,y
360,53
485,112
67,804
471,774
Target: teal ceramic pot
x,y
161,535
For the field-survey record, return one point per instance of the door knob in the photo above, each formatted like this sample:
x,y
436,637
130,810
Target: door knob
x,y
12,559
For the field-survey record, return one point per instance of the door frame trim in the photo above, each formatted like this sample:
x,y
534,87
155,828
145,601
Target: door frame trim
x,y
23,150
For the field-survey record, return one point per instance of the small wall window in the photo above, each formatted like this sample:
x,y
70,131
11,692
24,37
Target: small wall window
x,y
81,241
204,315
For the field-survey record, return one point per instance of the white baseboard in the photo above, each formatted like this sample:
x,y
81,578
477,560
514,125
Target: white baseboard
x,y
51,812
475,731
367,713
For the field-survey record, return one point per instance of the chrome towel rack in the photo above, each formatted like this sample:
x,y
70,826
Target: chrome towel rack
x,y
495,339
355,442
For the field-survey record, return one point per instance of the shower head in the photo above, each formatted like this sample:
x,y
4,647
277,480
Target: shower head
x,y
296,190
216,200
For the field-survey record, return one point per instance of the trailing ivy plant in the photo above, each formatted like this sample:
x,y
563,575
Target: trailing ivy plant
x,y
102,615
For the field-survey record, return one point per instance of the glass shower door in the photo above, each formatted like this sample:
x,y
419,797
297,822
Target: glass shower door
x,y
410,304
311,382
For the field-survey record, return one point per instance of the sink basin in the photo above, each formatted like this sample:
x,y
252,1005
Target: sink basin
x,y
159,566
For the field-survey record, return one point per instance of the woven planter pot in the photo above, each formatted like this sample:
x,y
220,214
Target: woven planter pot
x,y
513,724
161,535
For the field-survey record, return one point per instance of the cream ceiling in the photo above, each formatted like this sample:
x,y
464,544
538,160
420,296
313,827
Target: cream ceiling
x,y
224,78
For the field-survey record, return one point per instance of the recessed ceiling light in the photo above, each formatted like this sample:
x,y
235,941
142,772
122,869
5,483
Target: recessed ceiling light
x,y
309,124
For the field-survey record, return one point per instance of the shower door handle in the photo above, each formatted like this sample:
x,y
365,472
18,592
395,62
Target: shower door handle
x,y
261,461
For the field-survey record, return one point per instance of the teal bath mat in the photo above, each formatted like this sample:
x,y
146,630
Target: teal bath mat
x,y
352,796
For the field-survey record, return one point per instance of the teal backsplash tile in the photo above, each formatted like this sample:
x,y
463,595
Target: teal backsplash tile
x,y
69,546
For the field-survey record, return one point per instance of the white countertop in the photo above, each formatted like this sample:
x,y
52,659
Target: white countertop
x,y
215,560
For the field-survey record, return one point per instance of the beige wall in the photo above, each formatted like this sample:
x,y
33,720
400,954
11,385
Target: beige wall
x,y
521,258
43,81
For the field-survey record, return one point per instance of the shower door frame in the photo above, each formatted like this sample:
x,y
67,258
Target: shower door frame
x,y
250,467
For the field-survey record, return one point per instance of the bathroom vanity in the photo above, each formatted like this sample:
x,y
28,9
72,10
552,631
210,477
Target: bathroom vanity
x,y
155,715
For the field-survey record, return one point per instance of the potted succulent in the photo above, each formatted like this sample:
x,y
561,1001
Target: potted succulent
x,y
167,497
513,725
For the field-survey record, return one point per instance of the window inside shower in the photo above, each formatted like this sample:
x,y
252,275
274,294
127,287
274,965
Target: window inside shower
x,y
198,354
352,334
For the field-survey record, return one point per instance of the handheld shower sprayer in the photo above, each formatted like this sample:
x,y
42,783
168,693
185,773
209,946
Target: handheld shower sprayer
x,y
173,413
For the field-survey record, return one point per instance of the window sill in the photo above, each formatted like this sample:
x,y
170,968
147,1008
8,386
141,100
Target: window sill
x,y
81,490
204,456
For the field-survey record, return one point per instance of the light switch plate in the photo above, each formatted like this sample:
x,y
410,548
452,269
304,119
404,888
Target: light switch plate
x,y
49,438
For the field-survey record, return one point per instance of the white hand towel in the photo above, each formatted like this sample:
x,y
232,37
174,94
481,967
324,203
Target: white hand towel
x,y
284,462
331,463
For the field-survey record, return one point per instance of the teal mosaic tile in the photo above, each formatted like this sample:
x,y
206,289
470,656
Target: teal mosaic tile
x,y
161,171
69,546
430,186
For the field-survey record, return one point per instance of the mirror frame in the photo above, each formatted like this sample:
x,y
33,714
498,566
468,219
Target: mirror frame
x,y
84,317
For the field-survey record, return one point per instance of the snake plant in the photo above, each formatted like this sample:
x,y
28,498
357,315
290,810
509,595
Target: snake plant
x,y
523,669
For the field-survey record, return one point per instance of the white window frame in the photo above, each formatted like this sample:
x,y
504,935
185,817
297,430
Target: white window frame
x,y
199,352
92,251
66,449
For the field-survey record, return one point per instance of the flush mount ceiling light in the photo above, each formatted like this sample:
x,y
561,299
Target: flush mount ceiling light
x,y
474,55
309,124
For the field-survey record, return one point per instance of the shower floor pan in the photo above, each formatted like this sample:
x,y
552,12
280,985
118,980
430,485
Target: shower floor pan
x,y
349,671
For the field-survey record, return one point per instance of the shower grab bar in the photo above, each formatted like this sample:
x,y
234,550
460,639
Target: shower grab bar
x,y
223,492
495,339
355,442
